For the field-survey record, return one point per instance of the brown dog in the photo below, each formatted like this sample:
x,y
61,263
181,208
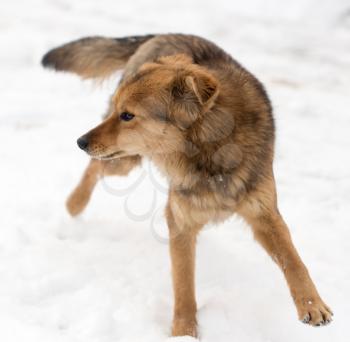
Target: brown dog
x,y
207,124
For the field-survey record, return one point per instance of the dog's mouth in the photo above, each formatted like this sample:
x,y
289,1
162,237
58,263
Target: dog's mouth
x,y
110,156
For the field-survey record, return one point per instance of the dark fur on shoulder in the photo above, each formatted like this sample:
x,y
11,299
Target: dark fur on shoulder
x,y
207,123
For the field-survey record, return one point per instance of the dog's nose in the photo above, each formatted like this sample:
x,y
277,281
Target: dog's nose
x,y
83,142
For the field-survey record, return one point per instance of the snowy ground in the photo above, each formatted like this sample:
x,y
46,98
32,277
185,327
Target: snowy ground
x,y
106,275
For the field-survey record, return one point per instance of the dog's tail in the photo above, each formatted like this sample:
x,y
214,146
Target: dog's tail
x,y
93,57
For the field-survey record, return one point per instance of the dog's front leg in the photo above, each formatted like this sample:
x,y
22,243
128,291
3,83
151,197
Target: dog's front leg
x,y
79,198
182,249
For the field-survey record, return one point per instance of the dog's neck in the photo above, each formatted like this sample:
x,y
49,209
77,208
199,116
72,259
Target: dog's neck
x,y
188,172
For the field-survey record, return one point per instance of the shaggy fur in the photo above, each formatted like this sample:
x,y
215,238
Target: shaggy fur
x,y
207,123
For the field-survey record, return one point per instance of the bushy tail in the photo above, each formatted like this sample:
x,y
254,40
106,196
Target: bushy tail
x,y
93,57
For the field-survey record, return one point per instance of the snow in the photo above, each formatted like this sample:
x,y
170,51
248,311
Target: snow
x,y
105,276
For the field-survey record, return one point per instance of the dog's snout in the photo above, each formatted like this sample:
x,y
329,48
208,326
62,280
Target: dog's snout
x,y
83,142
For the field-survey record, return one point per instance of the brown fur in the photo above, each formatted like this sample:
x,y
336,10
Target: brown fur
x,y
93,56
207,124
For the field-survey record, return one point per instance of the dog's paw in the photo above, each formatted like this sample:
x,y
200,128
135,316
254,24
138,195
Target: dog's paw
x,y
77,201
315,313
184,327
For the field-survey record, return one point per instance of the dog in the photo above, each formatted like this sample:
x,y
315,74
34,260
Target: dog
x,y
207,124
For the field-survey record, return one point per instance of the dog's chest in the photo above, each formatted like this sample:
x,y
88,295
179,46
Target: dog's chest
x,y
215,198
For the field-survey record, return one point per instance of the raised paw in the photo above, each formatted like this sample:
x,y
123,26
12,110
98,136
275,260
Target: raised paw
x,y
315,313
184,327
78,200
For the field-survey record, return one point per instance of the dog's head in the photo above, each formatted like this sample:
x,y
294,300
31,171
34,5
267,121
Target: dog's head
x,y
153,110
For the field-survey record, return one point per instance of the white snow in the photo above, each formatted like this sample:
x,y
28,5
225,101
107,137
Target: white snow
x,y
106,275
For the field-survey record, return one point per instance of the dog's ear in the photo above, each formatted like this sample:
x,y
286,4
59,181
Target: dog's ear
x,y
193,93
205,87
199,86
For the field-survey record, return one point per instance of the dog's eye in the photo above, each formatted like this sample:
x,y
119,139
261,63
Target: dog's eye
x,y
125,116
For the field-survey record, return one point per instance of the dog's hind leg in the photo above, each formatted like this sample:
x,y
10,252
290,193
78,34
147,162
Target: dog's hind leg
x,y
270,230
79,198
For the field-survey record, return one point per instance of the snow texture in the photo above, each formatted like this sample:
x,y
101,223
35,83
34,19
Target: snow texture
x,y
105,276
